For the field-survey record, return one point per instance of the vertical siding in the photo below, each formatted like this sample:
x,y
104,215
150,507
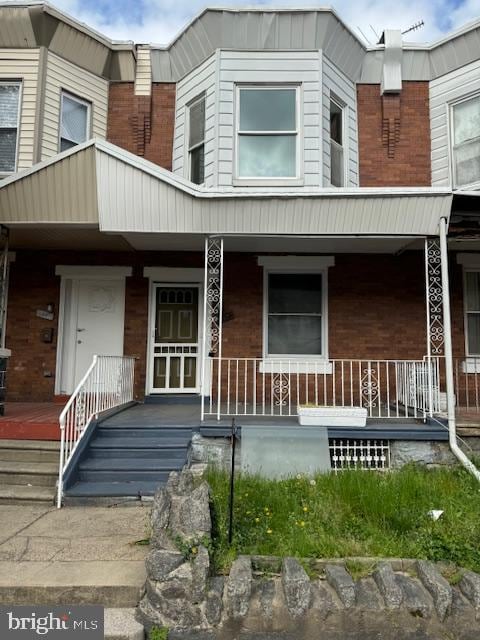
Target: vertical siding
x,y
200,80
65,75
334,81
443,91
22,64
301,67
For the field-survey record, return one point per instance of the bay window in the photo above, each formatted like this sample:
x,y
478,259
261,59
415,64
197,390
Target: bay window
x,y
267,132
9,125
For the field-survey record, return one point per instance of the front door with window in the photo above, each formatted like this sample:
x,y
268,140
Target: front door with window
x,y
175,348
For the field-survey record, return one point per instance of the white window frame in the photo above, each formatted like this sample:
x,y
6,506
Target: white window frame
x,y
466,312
85,103
298,133
19,83
343,107
189,149
451,133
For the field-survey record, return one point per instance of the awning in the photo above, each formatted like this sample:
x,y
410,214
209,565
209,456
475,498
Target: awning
x,y
97,184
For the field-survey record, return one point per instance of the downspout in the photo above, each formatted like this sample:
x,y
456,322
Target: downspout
x,y
447,328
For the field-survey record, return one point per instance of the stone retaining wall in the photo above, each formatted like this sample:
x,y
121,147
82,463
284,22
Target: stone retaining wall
x,y
273,595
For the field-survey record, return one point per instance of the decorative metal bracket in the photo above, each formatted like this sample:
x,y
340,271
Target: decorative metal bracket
x,y
213,296
434,297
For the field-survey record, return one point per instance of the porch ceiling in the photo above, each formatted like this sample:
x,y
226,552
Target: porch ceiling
x,y
100,184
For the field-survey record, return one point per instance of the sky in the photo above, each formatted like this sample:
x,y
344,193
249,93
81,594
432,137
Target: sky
x,y
158,21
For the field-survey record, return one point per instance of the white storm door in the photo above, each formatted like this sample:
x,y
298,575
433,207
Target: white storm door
x,y
175,344
100,322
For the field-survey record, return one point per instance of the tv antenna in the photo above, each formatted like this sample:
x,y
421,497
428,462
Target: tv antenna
x,y
415,27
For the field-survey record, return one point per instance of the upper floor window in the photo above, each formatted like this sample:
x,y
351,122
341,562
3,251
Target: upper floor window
x,y
196,140
466,141
75,121
267,132
9,124
337,161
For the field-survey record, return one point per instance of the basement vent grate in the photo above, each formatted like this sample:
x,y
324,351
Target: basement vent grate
x,y
363,455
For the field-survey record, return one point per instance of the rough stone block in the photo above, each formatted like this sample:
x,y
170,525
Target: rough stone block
x,y
470,587
339,578
160,563
438,587
239,588
296,587
367,596
415,599
214,601
200,573
388,586
160,510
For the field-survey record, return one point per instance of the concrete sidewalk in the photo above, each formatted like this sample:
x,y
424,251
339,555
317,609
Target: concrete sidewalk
x,y
73,555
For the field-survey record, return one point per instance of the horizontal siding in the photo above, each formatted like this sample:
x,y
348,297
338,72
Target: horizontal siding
x,y
334,81
301,67
143,75
23,64
202,80
443,91
63,75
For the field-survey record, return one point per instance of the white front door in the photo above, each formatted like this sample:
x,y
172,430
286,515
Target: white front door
x,y
91,323
99,322
174,353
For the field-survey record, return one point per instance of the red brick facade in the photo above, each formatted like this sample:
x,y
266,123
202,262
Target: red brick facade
x,y
376,310
143,125
394,136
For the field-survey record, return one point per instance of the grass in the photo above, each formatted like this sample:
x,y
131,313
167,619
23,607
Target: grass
x,y
353,513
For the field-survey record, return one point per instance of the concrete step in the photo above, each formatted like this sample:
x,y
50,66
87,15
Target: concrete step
x,y
129,464
116,441
30,450
109,583
145,432
43,474
24,494
119,475
120,624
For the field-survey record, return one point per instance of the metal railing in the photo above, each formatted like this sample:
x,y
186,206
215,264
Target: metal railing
x,y
108,383
274,387
466,374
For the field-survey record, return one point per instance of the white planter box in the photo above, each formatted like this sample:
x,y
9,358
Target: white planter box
x,y
332,416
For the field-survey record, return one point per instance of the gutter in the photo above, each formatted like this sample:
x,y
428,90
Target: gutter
x,y
447,329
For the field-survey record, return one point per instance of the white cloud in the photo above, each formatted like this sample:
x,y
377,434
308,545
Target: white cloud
x,y
163,19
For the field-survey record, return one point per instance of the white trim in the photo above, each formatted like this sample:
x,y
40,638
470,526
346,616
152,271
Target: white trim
x,y
64,93
309,364
469,260
174,274
451,139
97,272
296,262
471,364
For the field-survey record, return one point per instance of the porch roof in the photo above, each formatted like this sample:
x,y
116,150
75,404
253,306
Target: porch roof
x,y
100,185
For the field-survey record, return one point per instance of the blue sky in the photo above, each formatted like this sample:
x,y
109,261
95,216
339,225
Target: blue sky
x,y
158,21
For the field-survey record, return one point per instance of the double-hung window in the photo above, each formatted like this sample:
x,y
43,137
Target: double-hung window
x,y
337,156
267,132
472,312
9,119
74,121
196,140
295,323
466,141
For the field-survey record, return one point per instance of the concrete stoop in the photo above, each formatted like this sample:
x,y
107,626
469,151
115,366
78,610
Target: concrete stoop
x,y
120,624
28,471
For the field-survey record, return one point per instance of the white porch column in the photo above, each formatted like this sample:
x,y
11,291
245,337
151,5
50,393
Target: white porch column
x,y
212,315
435,324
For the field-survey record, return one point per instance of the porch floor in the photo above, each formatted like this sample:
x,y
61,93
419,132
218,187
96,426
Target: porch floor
x,y
30,421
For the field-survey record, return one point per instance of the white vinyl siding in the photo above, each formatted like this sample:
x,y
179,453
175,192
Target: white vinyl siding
x,y
65,76
444,92
22,65
336,84
201,80
300,68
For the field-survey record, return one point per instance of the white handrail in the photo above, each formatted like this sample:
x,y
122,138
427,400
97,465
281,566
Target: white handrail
x,y
108,383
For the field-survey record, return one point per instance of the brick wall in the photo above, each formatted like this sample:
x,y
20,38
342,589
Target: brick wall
x,y
376,310
394,136
143,125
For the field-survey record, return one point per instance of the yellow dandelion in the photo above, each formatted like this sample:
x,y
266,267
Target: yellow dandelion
x,y
305,509
269,531
302,523
194,550
257,519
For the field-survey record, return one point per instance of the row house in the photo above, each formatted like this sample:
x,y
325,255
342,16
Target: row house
x,y
263,215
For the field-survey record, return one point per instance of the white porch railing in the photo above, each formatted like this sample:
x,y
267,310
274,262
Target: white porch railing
x,y
108,383
466,374
267,387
